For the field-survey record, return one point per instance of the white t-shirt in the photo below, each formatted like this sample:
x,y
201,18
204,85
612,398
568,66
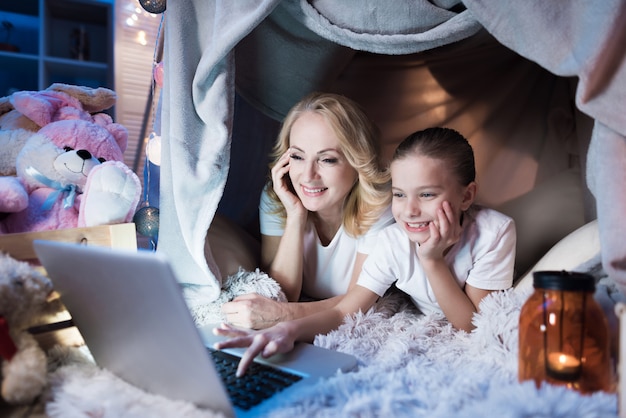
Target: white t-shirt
x,y
483,257
326,270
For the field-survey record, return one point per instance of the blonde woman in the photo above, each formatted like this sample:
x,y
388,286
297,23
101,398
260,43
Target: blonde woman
x,y
320,213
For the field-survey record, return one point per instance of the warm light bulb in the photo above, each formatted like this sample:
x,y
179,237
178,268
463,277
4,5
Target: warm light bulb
x,y
158,74
552,319
153,149
141,38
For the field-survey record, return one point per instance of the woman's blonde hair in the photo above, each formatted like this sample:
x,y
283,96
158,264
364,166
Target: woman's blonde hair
x,y
359,141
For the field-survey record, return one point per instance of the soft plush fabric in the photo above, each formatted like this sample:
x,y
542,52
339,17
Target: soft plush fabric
x,y
409,365
579,39
241,283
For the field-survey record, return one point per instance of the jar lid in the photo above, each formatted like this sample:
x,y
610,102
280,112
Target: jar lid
x,y
564,280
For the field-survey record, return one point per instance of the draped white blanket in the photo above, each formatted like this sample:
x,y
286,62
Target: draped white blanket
x,y
582,38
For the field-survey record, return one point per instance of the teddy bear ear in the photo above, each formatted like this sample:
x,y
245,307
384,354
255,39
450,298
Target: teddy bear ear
x,y
5,105
120,133
42,107
92,99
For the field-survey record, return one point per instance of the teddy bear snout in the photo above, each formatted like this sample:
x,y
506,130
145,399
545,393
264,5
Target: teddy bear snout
x,y
84,154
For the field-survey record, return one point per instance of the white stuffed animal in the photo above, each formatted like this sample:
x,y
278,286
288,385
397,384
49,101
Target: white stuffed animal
x,y
23,303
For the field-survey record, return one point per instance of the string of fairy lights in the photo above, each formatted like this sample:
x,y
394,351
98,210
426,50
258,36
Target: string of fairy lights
x,y
146,219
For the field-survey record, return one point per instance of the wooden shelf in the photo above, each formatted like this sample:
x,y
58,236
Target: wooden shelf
x,y
45,32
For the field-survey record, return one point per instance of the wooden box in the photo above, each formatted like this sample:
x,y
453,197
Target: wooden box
x,y
60,329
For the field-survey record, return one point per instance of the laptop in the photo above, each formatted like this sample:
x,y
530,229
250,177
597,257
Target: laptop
x,y
129,308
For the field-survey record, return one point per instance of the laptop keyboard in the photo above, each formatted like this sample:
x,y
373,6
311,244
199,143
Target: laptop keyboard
x,y
259,383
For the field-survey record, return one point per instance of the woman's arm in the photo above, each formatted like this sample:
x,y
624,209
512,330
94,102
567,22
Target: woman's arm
x,y
257,312
282,337
254,311
282,255
285,266
269,247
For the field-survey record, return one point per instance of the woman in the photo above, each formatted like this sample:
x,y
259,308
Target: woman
x,y
319,214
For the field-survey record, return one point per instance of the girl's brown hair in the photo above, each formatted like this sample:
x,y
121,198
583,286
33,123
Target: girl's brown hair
x,y
443,144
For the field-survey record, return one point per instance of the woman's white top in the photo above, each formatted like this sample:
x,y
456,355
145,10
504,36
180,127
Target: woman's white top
x,y
483,257
326,270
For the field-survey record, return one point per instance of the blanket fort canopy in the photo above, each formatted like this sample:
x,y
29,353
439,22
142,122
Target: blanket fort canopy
x,y
309,44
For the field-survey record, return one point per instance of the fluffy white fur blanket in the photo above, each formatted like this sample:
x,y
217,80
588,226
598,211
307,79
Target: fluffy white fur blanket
x,y
410,365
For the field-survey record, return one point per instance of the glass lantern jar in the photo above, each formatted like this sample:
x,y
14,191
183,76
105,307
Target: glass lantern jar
x,y
564,334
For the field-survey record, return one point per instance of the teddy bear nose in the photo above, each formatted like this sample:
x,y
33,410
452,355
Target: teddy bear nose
x,y
84,154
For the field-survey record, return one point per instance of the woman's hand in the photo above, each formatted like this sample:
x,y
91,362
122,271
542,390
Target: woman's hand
x,y
254,311
445,231
280,174
274,340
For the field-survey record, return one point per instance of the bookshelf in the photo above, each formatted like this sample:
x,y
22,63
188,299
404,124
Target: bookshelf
x,y
48,41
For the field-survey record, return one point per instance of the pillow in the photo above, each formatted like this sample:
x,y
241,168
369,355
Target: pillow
x,y
571,252
231,247
544,216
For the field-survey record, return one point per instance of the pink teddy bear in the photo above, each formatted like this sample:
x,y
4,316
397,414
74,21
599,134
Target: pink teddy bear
x,y
70,173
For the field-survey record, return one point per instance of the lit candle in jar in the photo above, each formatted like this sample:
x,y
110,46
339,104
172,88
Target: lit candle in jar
x,y
563,366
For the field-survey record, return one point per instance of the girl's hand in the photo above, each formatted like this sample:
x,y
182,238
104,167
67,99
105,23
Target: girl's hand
x,y
280,179
445,231
274,340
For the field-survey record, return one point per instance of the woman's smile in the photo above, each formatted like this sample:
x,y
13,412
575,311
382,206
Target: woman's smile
x,y
313,191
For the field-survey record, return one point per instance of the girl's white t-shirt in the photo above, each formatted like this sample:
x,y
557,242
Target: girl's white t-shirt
x,y
326,270
483,257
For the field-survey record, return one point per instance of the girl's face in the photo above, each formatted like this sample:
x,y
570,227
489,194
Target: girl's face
x,y
420,185
319,172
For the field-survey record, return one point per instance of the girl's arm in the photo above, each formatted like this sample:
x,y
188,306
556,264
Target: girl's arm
x,y
282,337
257,312
457,304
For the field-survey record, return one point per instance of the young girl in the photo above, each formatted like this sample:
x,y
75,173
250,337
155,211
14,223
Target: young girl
x,y
443,251
321,211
